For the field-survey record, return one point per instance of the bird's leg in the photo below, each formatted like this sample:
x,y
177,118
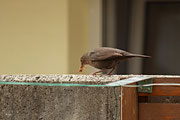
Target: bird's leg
x,y
99,71
111,71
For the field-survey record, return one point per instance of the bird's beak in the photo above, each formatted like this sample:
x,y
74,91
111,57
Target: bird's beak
x,y
81,68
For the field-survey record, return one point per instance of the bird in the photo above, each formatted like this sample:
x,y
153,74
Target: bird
x,y
105,58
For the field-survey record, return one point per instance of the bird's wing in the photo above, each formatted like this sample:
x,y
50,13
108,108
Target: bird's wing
x,y
104,54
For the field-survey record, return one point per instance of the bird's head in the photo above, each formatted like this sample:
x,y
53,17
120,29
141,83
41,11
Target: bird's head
x,y
84,61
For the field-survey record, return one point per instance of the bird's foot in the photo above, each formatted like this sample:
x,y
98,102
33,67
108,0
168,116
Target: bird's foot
x,y
99,71
109,74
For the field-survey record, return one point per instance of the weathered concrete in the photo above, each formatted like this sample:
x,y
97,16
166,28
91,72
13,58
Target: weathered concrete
x,y
22,102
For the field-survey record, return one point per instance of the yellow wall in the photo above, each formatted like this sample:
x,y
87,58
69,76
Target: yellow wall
x,y
84,31
78,32
47,36
33,36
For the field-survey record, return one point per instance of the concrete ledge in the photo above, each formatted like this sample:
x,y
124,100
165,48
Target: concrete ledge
x,y
63,78
22,102
72,78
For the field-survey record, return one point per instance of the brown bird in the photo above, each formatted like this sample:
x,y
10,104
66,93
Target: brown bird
x,y
106,58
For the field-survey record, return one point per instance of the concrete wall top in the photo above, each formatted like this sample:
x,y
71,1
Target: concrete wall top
x,y
57,78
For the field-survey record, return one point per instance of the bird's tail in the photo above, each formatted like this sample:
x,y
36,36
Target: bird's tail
x,y
138,55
